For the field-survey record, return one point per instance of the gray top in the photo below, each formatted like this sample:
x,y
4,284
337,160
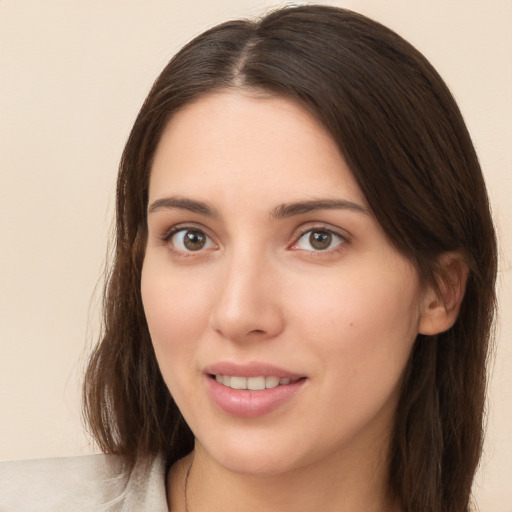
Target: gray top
x,y
91,483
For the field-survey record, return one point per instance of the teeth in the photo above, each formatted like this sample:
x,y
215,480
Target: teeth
x,y
256,383
272,382
238,383
252,383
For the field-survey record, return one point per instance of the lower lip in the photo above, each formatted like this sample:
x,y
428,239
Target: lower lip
x,y
245,403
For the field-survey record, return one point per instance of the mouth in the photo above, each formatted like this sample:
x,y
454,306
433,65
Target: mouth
x,y
257,383
260,391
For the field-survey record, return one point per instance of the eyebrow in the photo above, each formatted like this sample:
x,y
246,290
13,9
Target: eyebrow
x,y
282,211
301,207
182,203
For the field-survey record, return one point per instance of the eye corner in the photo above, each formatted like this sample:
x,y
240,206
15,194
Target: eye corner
x,y
188,240
319,240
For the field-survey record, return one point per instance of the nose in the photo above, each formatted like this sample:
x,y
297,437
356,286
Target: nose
x,y
247,306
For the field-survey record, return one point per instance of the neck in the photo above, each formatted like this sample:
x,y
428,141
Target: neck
x,y
199,484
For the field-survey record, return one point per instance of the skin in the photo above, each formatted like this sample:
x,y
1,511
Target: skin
x,y
344,317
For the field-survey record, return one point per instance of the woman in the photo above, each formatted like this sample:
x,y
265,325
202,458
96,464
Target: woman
x,y
299,309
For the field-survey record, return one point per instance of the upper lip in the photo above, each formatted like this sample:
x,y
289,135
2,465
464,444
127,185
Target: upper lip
x,y
252,369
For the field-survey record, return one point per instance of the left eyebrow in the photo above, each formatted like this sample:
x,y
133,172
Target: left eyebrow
x,y
301,207
183,203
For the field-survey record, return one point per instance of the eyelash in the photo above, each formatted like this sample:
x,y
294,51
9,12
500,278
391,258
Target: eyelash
x,y
168,235
342,240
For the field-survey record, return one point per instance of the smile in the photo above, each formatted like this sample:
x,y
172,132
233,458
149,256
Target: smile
x,y
251,396
252,383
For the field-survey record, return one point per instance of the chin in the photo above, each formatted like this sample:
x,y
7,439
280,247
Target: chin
x,y
252,458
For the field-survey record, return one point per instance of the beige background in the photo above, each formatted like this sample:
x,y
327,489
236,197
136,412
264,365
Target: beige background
x,y
73,75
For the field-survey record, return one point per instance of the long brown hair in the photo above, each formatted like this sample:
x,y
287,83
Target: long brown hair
x,y
406,143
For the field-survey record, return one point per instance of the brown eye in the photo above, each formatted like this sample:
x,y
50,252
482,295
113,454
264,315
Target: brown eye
x,y
194,240
319,240
190,240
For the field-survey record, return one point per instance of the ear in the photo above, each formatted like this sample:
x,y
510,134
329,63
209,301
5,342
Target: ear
x,y
442,303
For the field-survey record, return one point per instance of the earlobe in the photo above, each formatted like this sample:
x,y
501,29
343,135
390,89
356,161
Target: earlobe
x,y
442,303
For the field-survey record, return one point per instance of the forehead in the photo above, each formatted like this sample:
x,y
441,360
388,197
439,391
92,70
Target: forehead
x,y
256,144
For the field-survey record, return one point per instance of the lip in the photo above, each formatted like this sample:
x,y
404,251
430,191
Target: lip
x,y
245,403
253,369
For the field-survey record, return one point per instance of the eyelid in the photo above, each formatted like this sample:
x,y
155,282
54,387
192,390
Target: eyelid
x,y
304,229
188,226
168,232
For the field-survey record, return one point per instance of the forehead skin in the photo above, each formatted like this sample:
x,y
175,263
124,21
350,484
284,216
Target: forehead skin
x,y
211,146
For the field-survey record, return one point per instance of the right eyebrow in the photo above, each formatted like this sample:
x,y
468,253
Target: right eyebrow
x,y
302,207
181,203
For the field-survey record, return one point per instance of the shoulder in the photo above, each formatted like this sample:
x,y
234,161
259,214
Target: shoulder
x,y
60,483
85,483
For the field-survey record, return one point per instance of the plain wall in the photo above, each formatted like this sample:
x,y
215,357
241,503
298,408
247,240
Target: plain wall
x,y
73,75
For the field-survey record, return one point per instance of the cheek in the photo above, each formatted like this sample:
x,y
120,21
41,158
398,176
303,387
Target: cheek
x,y
176,313
353,301
364,323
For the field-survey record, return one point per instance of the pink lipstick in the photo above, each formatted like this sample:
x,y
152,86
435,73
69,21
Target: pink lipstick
x,y
250,390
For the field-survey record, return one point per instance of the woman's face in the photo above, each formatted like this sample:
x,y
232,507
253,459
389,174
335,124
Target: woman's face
x,y
265,268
